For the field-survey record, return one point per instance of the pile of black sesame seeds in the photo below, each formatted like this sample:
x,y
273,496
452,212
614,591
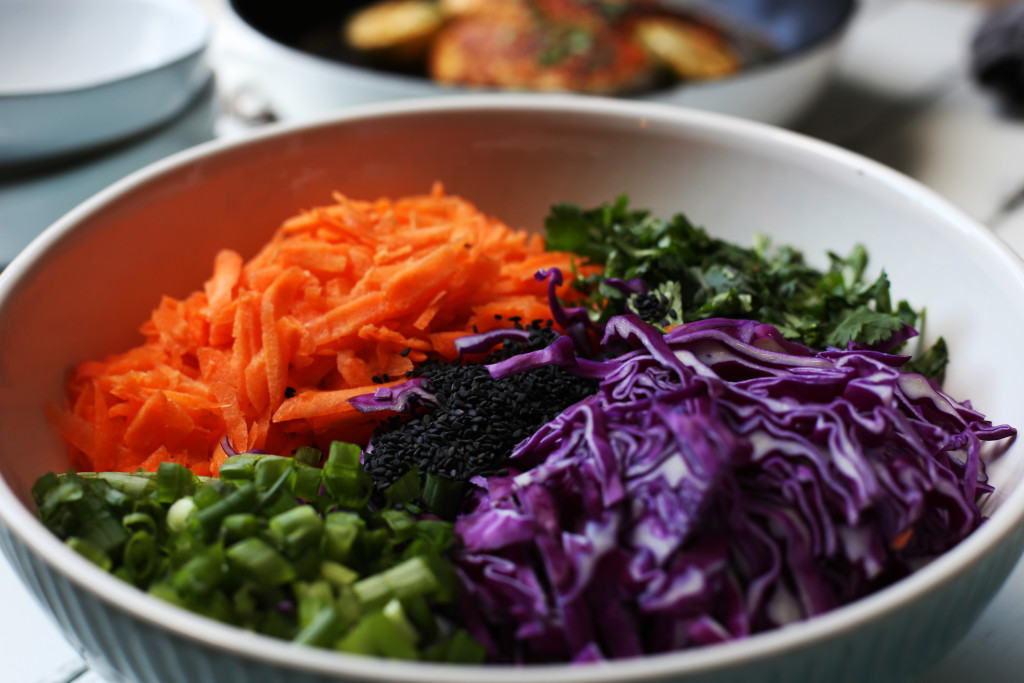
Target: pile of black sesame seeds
x,y
477,420
653,308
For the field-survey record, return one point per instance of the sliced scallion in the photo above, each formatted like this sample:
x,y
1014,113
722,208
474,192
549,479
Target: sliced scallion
x,y
409,579
344,477
174,481
179,513
239,467
260,563
207,520
297,529
90,552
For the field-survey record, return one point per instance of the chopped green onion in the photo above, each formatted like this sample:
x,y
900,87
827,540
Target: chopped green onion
x,y
443,496
458,648
396,615
165,591
411,578
338,574
103,494
137,521
270,501
136,486
98,525
347,605
374,550
179,513
311,597
336,571
212,491
207,520
376,635
344,477
174,481
401,524
306,482
323,630
203,573
438,535
140,557
259,562
297,529
90,552
418,610
341,533
406,489
308,455
239,467
238,526
43,485
270,469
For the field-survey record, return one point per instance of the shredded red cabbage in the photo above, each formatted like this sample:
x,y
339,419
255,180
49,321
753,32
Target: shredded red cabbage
x,y
399,398
723,481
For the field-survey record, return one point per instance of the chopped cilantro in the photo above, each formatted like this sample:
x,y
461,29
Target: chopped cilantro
x,y
693,276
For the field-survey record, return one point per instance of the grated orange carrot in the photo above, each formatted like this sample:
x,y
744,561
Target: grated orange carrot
x,y
343,298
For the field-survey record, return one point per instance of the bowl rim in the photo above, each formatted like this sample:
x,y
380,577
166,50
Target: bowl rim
x,y
198,40
424,86
24,525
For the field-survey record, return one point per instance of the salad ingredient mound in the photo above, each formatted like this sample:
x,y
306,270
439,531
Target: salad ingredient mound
x,y
342,299
670,271
520,467
276,545
723,481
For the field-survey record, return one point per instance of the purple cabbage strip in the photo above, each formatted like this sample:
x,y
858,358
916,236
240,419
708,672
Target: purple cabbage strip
x,y
399,398
575,321
629,287
229,450
225,444
723,481
486,341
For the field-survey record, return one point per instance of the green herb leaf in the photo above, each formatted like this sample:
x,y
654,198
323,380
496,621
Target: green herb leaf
x,y
693,276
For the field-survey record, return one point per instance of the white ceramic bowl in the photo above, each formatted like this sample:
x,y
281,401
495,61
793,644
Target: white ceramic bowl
x,y
302,77
81,73
82,287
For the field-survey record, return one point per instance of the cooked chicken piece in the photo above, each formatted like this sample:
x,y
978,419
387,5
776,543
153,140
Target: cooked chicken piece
x,y
481,51
691,50
516,9
395,30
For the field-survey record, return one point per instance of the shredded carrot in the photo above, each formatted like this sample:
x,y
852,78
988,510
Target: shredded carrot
x,y
902,539
343,299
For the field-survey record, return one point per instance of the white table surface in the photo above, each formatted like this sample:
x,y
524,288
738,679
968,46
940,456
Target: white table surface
x,y
901,95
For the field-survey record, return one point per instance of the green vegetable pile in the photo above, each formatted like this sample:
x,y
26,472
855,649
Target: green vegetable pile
x,y
693,276
276,545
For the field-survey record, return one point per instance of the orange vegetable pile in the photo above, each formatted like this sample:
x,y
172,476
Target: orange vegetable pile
x,y
343,299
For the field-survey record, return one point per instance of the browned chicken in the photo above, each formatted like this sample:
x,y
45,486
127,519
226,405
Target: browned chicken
x,y
493,52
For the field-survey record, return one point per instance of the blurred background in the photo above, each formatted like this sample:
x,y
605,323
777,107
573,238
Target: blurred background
x,y
92,90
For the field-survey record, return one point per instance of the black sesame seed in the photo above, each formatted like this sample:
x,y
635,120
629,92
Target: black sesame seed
x,y
475,421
